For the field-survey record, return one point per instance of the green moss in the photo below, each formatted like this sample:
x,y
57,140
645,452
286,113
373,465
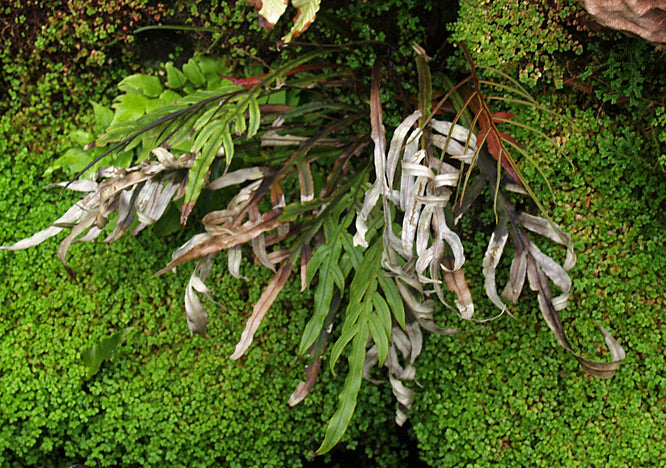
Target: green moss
x,y
523,38
164,397
507,395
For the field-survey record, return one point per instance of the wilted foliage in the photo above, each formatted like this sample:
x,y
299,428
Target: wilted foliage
x,y
265,139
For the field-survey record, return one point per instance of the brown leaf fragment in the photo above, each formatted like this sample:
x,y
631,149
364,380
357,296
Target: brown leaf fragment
x,y
604,370
237,177
92,234
259,242
442,231
409,344
185,211
423,311
378,133
222,221
112,187
152,201
274,108
411,154
272,138
216,243
81,185
416,343
539,282
492,258
305,180
411,219
261,307
278,256
303,388
517,275
168,161
125,217
76,231
553,272
306,255
553,232
405,397
278,201
234,257
372,358
456,282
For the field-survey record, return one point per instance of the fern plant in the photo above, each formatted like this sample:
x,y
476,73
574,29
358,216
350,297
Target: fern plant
x,y
374,236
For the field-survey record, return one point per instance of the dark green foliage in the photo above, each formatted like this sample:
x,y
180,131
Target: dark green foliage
x,y
219,27
525,38
617,75
397,23
544,43
659,133
51,47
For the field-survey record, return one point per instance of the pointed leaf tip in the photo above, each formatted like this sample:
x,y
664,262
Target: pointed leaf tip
x,y
185,211
260,308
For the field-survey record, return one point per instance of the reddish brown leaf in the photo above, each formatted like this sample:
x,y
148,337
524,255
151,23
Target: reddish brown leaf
x,y
185,211
456,282
303,388
306,255
489,131
257,79
245,82
261,307
499,117
274,108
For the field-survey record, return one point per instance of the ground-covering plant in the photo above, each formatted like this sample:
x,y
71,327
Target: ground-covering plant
x,y
513,36
494,403
49,415
199,111
49,46
485,400
160,399
308,201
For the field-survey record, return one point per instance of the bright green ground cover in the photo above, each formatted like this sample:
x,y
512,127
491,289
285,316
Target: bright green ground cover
x,y
505,395
508,395
164,397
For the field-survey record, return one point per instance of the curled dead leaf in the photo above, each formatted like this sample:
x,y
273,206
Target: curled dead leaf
x,y
261,307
